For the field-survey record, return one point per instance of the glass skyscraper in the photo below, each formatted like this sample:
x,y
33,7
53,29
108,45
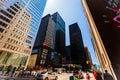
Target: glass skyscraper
x,y
19,23
78,55
50,40
59,36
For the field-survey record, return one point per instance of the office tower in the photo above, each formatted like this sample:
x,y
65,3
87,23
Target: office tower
x,y
68,54
50,37
19,22
78,55
59,34
105,30
44,41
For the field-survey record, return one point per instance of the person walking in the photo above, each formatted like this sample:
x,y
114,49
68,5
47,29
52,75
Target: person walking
x,y
13,71
95,74
107,76
87,76
9,69
99,76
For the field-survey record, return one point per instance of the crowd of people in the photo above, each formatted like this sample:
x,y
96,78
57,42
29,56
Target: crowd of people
x,y
19,71
100,76
96,74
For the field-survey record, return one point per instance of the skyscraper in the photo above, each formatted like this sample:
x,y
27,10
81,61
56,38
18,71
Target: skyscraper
x,y
44,41
50,37
105,30
59,34
78,55
19,22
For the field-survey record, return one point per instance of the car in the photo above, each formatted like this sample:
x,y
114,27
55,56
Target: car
x,y
47,76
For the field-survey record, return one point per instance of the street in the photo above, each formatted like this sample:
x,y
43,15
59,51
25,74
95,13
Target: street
x,y
63,76
66,76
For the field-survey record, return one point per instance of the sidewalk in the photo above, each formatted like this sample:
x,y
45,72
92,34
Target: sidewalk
x,y
3,77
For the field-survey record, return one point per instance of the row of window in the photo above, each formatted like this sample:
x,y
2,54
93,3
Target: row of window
x,y
22,23
17,37
6,13
12,12
4,18
14,42
22,28
14,48
24,20
14,8
20,33
43,56
26,15
3,24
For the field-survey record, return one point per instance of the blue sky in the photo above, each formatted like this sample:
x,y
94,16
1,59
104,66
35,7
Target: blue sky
x,y
71,11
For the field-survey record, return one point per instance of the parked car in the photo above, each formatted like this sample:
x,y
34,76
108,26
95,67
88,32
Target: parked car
x,y
47,76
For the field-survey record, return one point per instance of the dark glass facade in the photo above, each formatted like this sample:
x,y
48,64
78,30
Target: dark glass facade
x,y
78,55
59,34
52,34
44,41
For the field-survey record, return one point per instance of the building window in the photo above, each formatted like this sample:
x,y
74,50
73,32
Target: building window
x,y
14,8
1,30
4,18
11,11
8,46
3,24
1,36
5,45
5,13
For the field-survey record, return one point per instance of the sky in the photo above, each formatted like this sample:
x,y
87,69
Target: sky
x,y
71,11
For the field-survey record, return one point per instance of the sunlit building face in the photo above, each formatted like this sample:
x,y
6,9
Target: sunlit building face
x,y
19,22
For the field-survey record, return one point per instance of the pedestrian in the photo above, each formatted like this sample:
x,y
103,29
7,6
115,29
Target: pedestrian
x,y
13,71
95,74
30,71
9,69
107,76
19,67
87,76
99,76
79,76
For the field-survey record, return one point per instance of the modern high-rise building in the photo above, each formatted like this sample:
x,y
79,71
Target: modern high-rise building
x,y
50,37
44,41
59,34
19,23
68,54
78,55
104,23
